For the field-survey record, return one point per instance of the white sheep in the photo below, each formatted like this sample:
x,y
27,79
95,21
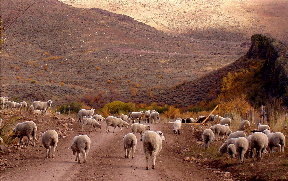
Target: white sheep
x,y
177,126
152,144
147,116
31,108
98,117
224,121
49,141
231,150
221,130
130,142
3,101
1,141
43,106
11,104
24,105
125,118
115,122
262,127
242,146
85,112
90,121
139,128
136,116
37,112
1,122
237,134
257,141
27,128
154,117
244,125
223,147
208,137
276,139
81,144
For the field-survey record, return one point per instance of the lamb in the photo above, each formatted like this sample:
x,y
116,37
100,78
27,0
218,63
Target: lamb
x,y
24,105
27,128
11,104
177,126
81,144
98,117
31,108
242,146
222,130
262,127
208,137
224,121
130,142
37,112
244,125
125,118
139,128
257,141
49,141
90,121
237,134
231,150
223,147
18,105
152,144
1,122
276,139
136,116
154,117
85,112
115,122
43,106
147,116
3,101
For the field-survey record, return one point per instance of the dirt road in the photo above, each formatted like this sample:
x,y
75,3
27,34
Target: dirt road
x,y
106,161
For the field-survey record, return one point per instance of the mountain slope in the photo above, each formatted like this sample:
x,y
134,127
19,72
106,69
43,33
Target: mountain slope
x,y
267,53
201,17
56,51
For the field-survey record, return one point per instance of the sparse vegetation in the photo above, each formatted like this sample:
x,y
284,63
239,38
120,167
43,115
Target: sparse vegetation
x,y
72,107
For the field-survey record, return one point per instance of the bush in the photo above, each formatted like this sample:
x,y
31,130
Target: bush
x,y
118,107
73,107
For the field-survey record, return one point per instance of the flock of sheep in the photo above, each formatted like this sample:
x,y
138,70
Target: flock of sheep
x,y
239,144
152,140
236,144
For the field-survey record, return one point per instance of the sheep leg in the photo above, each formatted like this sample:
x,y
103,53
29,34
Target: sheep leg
x,y
107,129
20,141
114,129
153,160
147,161
47,152
84,155
53,150
126,153
77,157
133,151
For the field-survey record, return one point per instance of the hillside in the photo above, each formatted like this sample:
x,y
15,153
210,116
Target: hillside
x,y
201,18
56,51
268,55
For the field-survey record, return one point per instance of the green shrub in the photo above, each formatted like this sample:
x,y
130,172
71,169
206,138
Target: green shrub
x,y
118,107
73,107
